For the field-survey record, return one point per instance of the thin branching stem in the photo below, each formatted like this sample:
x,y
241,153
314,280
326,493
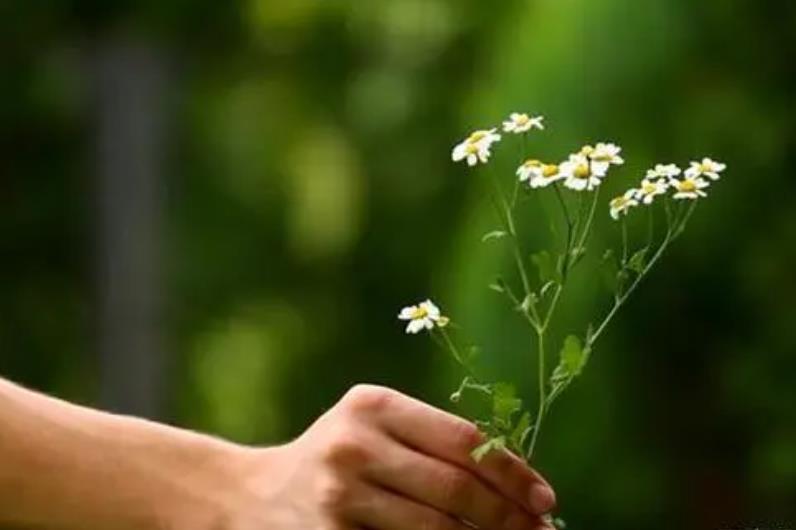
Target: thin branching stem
x,y
675,230
540,413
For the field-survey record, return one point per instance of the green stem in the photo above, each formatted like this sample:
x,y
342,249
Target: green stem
x,y
673,233
540,413
455,352
624,241
585,231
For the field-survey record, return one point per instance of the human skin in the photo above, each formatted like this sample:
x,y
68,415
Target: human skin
x,y
377,460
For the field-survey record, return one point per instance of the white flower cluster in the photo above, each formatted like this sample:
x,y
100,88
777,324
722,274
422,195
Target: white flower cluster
x,y
662,178
586,169
583,170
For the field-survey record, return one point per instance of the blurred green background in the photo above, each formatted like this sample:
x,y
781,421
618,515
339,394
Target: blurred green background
x,y
212,212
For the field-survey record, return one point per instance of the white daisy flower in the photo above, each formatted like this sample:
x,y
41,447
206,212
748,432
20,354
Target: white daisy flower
x,y
476,148
424,315
623,203
580,173
709,168
664,171
689,188
649,188
520,122
538,174
603,155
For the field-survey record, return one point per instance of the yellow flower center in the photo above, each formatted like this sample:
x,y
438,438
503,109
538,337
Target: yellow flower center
x,y
550,170
522,119
476,137
619,202
647,188
471,149
532,163
587,150
602,157
582,171
419,312
704,168
687,185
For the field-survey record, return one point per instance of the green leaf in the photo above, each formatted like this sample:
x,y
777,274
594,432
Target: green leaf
x,y
494,234
498,285
520,430
636,262
573,358
546,265
572,355
527,302
492,444
504,403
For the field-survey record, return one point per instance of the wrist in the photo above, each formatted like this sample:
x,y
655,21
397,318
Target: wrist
x,y
221,493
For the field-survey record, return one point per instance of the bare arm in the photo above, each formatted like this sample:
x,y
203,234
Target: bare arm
x,y
377,460
65,466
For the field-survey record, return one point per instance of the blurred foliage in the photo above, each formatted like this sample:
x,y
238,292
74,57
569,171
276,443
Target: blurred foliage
x,y
310,195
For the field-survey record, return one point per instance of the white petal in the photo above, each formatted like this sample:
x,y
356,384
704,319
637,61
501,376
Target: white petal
x,y
431,309
407,312
414,326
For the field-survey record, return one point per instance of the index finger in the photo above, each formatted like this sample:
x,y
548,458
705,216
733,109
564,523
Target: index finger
x,y
450,438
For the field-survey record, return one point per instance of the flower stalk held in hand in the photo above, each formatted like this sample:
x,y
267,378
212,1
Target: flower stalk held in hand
x,y
668,194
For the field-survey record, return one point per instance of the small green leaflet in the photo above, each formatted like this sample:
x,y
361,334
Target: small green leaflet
x,y
527,302
494,234
504,403
573,358
636,261
493,444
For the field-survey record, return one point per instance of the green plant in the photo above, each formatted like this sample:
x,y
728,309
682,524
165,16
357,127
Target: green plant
x,y
576,184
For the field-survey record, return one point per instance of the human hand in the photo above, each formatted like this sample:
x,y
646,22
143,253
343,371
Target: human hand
x,y
380,460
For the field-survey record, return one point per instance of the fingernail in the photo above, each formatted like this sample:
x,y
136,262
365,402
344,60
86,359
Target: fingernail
x,y
542,498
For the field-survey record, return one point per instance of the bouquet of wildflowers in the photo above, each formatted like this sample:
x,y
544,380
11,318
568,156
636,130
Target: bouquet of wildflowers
x,y
666,196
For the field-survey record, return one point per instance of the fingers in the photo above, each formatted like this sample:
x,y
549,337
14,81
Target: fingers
x,y
380,509
450,438
448,488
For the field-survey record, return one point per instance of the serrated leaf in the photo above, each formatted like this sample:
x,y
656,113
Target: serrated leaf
x,y
636,262
494,234
572,359
547,266
504,402
492,444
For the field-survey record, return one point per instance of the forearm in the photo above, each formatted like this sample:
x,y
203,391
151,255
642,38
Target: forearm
x,y
65,466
